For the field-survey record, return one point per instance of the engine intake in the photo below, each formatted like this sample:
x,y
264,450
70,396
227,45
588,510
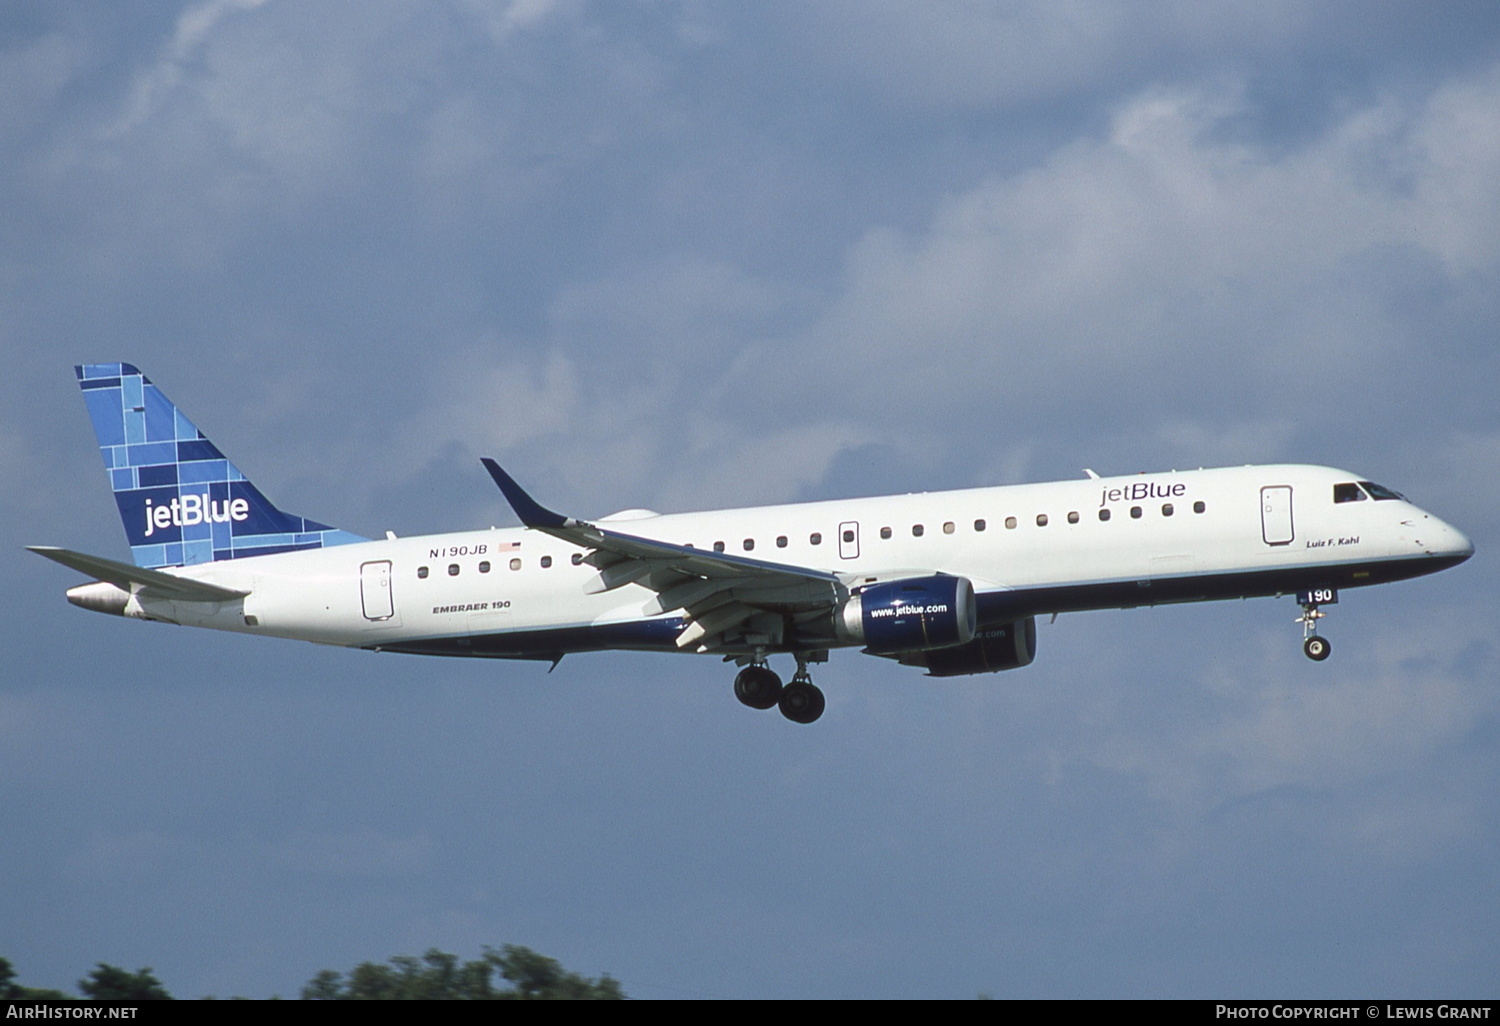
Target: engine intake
x,y
916,614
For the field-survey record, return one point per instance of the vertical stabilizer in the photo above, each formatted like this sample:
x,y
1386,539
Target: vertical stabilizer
x,y
182,502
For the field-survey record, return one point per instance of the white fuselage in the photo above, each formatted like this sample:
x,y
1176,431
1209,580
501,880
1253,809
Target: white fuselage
x,y
1027,549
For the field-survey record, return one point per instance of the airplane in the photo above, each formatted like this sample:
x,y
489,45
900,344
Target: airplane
x,y
951,582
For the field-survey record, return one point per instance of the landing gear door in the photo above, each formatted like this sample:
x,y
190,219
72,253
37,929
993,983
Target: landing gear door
x,y
1276,514
375,590
849,540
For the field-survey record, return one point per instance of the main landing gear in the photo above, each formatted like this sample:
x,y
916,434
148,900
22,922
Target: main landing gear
x,y
1317,648
800,701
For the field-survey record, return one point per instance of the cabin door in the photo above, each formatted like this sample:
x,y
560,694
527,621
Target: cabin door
x,y
1276,514
375,590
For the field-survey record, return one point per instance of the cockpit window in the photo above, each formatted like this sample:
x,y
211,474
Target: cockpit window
x,y
1380,491
1348,492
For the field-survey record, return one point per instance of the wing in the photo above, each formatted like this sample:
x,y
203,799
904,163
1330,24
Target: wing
x,y
718,592
137,578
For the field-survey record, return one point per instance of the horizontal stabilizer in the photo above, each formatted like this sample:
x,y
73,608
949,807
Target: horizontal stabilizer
x,y
136,578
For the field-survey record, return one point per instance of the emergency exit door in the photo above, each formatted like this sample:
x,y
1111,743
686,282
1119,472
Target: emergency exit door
x,y
1276,514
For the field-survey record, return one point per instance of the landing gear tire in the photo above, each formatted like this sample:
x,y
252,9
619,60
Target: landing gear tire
x,y
1317,648
801,702
758,687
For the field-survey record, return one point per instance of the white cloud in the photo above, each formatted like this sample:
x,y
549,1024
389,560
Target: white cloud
x,y
1201,292
716,466
1456,208
264,108
624,395
1365,735
492,398
1168,270
951,54
502,18
153,86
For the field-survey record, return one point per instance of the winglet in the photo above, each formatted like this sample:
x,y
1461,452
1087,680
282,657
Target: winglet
x,y
531,512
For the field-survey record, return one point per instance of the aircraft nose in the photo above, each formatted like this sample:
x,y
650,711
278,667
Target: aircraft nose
x,y
1462,546
1449,542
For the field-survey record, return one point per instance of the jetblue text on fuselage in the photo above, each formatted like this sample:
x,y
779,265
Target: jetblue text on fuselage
x,y
1142,490
194,509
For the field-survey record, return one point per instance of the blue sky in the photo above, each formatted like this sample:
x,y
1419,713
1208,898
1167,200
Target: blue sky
x,y
689,254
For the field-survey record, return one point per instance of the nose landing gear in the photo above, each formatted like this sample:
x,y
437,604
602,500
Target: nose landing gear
x,y
1317,648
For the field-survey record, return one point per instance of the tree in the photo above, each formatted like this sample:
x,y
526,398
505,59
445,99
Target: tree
x,y
10,990
326,986
438,975
540,978
111,983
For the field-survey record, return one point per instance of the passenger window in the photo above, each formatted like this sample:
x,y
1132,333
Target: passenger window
x,y
979,525
1103,514
781,541
421,573
718,546
1041,520
749,544
546,562
916,530
948,527
515,564
1198,506
885,532
577,558
452,569
1166,509
815,538
1010,523
1073,518
848,536
1135,512
484,567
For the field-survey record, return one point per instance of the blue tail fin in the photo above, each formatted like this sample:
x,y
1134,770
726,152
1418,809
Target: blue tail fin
x,y
181,501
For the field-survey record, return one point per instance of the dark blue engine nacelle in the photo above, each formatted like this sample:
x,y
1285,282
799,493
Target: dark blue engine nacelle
x,y
1005,647
911,615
